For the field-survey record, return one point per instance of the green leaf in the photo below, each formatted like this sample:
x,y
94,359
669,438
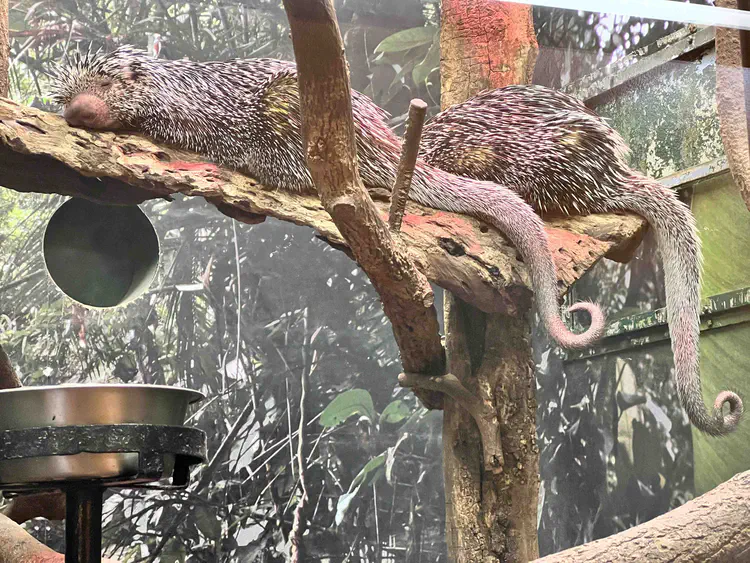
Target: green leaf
x,y
430,63
391,459
395,412
407,39
348,403
369,474
343,505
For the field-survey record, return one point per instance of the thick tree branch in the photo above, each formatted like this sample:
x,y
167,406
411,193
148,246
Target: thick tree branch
x,y
713,528
731,103
482,412
40,153
4,49
331,155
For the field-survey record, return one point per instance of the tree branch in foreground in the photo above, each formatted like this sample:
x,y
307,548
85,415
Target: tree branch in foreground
x,y
713,528
18,546
331,155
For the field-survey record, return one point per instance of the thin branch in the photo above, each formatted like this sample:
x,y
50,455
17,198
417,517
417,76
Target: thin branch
x,y
484,415
298,527
409,152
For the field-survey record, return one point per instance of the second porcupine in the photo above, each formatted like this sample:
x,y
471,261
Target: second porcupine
x,y
245,114
562,157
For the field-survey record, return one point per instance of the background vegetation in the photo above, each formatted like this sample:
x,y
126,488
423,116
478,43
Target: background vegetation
x,y
373,456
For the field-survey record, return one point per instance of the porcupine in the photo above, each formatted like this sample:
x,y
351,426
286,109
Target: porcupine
x,y
245,114
561,157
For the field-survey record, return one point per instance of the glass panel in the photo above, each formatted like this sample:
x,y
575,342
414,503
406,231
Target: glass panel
x,y
723,367
725,234
615,444
245,312
669,120
573,43
306,310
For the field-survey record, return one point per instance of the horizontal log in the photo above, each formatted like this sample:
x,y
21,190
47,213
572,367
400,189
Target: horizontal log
x,y
713,528
40,153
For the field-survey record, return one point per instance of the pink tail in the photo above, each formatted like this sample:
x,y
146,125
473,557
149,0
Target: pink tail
x,y
680,249
507,212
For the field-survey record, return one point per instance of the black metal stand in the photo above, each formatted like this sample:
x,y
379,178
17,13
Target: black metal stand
x,y
83,511
83,525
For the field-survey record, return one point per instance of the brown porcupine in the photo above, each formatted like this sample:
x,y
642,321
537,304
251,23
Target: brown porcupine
x,y
562,157
245,114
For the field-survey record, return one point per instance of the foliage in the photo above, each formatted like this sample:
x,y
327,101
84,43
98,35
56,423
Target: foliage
x,y
372,456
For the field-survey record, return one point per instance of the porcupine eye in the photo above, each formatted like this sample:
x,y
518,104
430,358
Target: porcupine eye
x,y
105,84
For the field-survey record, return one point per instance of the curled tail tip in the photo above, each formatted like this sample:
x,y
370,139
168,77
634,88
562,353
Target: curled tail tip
x,y
720,424
567,339
730,421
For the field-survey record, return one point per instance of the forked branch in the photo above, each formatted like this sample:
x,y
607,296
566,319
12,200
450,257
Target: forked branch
x,y
483,414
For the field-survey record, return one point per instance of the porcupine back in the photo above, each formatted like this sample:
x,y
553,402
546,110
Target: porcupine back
x,y
563,158
245,114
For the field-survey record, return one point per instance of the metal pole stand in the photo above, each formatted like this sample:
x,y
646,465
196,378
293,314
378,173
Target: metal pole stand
x,y
83,524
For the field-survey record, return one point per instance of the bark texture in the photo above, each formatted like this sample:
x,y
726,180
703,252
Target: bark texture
x,y
4,50
490,517
40,153
17,546
731,85
484,45
713,528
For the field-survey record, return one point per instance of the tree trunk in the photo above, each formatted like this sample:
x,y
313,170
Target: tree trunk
x,y
489,516
731,85
4,49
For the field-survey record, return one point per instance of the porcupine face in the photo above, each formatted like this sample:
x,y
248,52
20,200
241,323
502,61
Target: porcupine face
x,y
101,92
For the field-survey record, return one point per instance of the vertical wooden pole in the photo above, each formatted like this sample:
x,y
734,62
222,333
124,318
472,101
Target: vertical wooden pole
x,y
489,517
732,100
4,49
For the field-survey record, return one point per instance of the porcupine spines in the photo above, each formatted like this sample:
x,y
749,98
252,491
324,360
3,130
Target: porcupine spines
x,y
680,247
245,114
562,157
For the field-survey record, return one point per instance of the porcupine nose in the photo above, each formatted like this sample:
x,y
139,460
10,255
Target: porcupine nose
x,y
86,110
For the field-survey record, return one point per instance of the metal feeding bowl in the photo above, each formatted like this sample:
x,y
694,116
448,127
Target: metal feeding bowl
x,y
115,434
82,439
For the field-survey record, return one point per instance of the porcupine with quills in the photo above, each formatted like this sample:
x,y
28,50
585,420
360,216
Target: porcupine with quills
x,y
561,157
245,114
